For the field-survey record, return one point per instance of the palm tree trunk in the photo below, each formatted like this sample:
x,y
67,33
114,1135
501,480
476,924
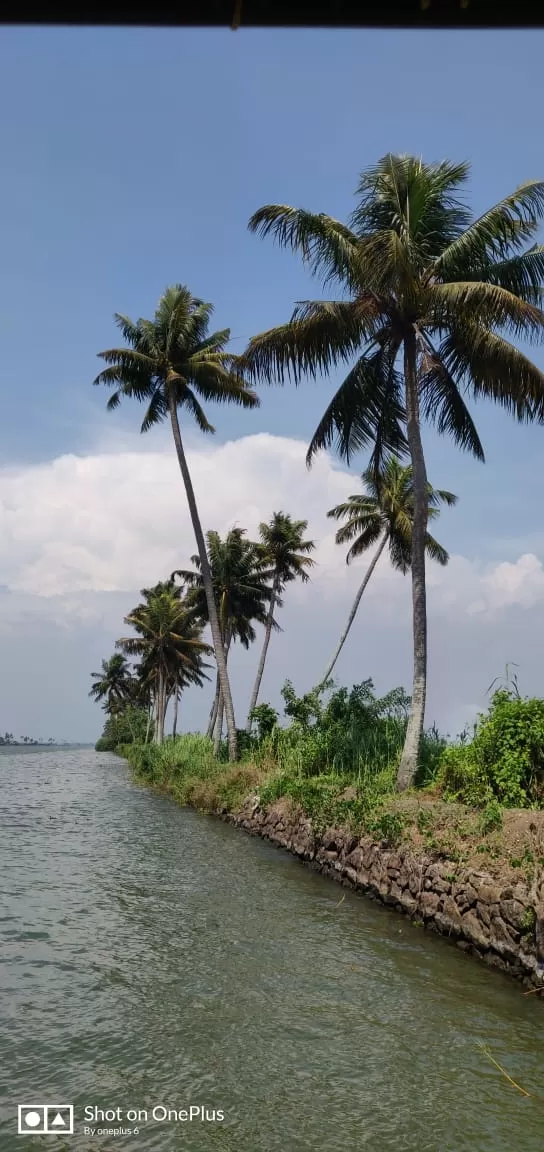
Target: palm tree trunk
x,y
218,727
354,608
262,661
220,711
207,582
176,702
414,731
161,693
215,705
149,716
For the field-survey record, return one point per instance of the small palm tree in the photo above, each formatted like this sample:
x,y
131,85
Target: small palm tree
x,y
430,300
240,579
172,363
286,553
114,684
168,642
383,514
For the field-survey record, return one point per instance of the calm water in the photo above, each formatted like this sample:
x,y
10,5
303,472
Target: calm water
x,y
154,957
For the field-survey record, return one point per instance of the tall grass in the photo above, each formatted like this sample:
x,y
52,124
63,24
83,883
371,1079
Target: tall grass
x,y
186,768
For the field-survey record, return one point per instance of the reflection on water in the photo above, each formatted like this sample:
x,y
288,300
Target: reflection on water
x,y
153,957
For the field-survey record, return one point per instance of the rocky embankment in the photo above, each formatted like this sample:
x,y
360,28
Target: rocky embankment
x,y
503,926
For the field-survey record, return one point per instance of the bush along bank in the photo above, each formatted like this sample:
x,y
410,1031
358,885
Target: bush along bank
x,y
450,854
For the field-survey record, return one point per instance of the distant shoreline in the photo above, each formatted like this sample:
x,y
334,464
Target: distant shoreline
x,y
41,744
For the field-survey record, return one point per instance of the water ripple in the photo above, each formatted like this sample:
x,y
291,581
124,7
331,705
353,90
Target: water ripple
x,y
153,956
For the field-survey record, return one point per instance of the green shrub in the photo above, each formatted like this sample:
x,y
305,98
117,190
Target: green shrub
x,y
504,760
126,727
388,826
351,734
265,718
491,817
528,922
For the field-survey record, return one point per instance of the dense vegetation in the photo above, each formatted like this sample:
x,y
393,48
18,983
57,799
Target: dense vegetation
x,y
337,762
430,300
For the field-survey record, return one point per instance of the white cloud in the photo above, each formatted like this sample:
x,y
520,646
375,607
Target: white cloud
x,y
79,536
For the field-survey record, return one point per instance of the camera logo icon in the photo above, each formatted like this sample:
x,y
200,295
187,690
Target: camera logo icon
x,y
45,1119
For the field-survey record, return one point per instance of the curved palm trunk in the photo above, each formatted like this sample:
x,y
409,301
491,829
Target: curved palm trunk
x,y
213,712
218,726
414,731
176,703
354,607
220,711
207,582
262,661
149,718
161,706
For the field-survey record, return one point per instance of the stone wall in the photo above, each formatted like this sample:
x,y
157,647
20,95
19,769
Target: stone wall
x,y
503,926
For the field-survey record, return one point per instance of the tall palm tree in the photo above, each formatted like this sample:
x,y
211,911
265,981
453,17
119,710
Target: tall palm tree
x,y
172,363
285,551
114,684
430,297
240,579
383,514
168,642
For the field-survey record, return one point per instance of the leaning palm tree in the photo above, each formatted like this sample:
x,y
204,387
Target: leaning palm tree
x,y
383,514
172,363
285,551
430,300
168,642
240,578
114,684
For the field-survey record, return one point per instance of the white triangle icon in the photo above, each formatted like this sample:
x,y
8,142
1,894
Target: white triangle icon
x,y
58,1121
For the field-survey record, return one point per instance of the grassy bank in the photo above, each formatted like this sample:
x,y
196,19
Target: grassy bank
x,y
477,803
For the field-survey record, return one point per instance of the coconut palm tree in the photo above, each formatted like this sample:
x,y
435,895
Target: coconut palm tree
x,y
383,514
114,684
168,642
430,299
286,553
242,592
173,363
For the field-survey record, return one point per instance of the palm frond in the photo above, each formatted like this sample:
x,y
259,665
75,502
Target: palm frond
x,y
443,405
437,496
418,201
130,331
156,411
214,381
327,247
492,304
500,232
436,551
523,275
366,410
362,542
190,402
490,366
326,335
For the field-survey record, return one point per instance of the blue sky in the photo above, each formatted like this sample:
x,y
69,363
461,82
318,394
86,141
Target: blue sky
x,y
134,158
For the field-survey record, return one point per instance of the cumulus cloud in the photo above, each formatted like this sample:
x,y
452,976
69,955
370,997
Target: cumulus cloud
x,y
79,536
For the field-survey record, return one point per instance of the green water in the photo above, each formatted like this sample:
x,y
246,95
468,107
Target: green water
x,y
153,957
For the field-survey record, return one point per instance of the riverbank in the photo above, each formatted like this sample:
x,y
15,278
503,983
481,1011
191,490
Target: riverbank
x,y
475,878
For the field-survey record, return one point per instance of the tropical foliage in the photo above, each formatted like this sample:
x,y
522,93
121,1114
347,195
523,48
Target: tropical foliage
x,y
430,308
383,515
241,592
174,365
505,759
169,644
114,685
129,726
430,302
284,550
